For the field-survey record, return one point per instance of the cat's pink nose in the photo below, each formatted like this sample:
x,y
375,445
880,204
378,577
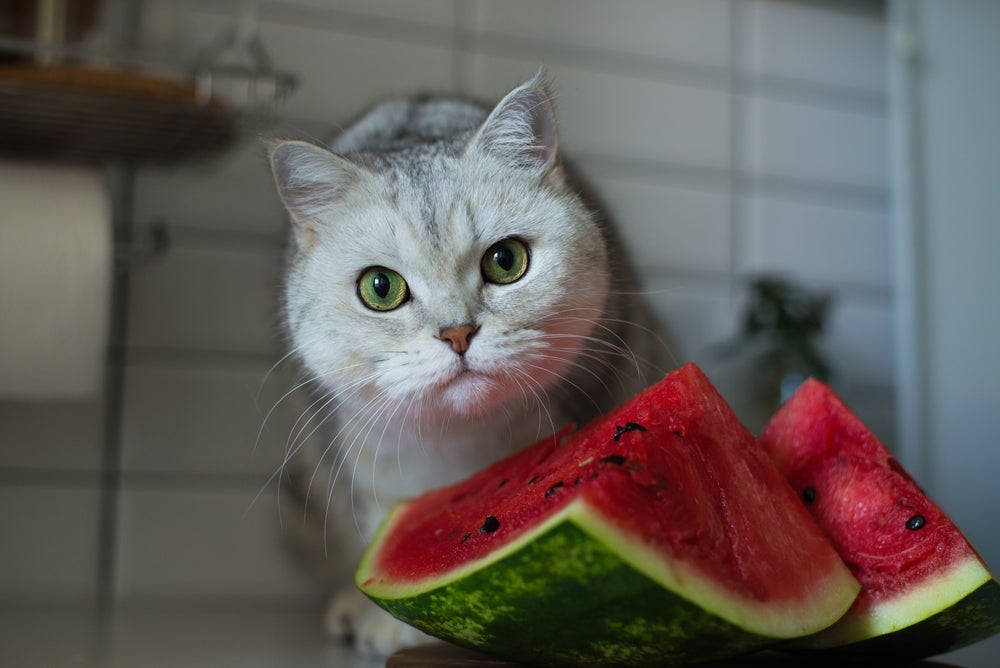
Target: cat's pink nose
x,y
458,336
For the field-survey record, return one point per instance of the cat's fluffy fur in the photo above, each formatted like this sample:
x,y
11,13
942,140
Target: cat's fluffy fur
x,y
425,187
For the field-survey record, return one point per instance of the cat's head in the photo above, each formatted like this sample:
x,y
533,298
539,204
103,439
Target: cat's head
x,y
447,278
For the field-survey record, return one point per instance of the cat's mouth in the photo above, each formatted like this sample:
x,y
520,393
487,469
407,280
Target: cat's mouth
x,y
460,373
468,389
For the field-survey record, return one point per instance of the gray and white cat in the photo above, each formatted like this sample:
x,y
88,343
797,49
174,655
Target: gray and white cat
x,y
452,299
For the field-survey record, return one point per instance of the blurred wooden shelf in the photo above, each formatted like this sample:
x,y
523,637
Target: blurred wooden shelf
x,y
84,113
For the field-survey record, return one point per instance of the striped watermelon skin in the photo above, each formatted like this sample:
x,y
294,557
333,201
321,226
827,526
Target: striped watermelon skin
x,y
925,590
657,534
569,598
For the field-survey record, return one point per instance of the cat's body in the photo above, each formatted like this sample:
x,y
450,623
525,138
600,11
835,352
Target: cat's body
x,y
451,299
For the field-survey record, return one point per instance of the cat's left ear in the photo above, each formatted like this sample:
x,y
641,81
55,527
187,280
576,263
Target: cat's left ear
x,y
521,129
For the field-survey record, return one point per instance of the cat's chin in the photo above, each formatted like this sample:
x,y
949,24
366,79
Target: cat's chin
x,y
471,393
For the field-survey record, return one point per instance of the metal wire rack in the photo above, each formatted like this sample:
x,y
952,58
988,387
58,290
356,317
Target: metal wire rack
x,y
68,102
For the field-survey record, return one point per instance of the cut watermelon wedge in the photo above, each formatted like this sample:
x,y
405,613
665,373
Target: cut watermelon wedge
x,y
925,589
658,534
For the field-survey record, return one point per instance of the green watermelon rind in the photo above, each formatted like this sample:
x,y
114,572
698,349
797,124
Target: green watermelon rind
x,y
952,610
538,599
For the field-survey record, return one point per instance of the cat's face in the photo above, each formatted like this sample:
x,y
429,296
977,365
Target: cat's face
x,y
448,283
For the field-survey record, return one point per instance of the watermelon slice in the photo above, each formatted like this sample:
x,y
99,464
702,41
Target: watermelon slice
x,y
658,534
925,590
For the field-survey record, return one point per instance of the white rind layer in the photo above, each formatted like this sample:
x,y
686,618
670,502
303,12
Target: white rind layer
x,y
922,602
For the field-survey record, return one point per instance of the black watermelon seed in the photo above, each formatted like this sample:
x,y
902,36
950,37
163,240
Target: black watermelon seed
x,y
629,426
577,481
552,490
809,494
916,522
490,525
617,460
677,433
466,537
502,483
533,480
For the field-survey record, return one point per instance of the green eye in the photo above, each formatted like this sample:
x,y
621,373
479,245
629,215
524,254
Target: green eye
x,y
505,262
382,289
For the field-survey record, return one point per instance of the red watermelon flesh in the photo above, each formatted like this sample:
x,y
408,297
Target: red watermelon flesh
x,y
911,560
676,476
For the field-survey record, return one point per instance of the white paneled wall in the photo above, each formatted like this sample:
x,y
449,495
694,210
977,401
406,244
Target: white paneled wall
x,y
727,137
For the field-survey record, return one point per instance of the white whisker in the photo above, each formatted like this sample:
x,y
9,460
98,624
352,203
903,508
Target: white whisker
x,y
378,447
342,455
309,381
295,440
542,404
613,333
363,436
267,376
567,381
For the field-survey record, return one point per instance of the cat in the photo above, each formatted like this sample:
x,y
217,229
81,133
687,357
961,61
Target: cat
x,y
452,296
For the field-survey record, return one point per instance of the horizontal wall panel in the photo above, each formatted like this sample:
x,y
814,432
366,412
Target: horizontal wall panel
x,y
203,636
423,13
674,29
666,226
61,435
813,143
334,87
176,543
232,192
808,41
206,299
814,244
50,539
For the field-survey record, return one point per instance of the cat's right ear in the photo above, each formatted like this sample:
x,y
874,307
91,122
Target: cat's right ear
x,y
311,181
521,129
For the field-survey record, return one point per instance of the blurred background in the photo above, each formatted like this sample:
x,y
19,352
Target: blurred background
x,y
845,150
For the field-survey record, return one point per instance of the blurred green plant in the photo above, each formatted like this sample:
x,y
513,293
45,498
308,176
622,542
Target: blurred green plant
x,y
778,339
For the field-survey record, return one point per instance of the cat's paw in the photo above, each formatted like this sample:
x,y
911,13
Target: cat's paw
x,y
351,617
